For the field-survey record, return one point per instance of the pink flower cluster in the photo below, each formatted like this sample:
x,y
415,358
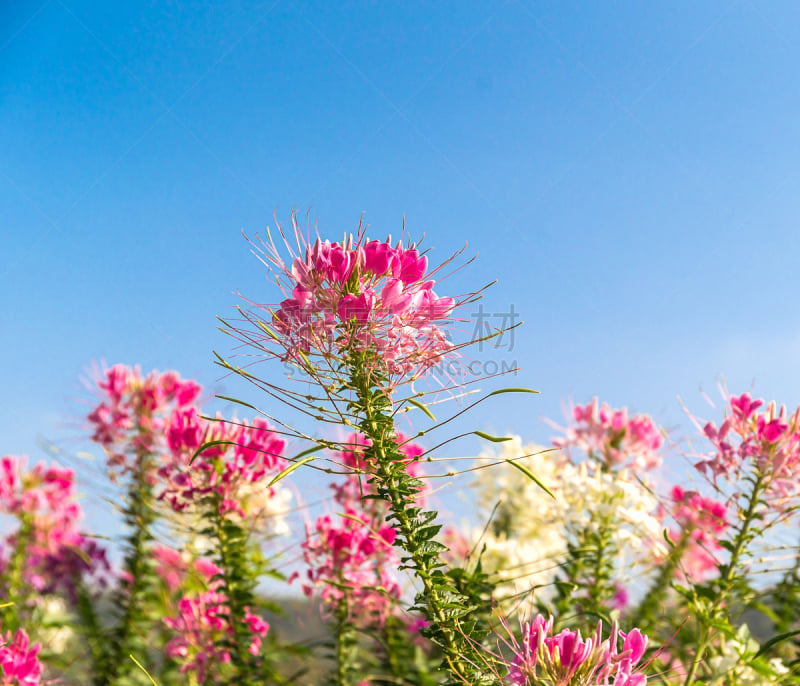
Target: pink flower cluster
x,y
201,625
360,295
767,441
567,659
57,554
19,661
134,411
202,620
353,561
612,438
156,415
234,471
702,520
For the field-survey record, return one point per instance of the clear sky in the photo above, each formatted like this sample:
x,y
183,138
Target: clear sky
x,y
629,172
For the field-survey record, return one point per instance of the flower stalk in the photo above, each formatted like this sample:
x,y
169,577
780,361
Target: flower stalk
x,y
439,601
727,578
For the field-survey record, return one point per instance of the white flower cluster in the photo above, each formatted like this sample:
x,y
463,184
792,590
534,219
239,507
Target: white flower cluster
x,y
731,668
527,538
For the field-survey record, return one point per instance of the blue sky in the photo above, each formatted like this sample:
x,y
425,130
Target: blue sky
x,y
628,172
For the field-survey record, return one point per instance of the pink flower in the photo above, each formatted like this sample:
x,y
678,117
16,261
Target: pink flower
x,y
611,438
358,296
19,661
202,630
751,442
57,555
567,659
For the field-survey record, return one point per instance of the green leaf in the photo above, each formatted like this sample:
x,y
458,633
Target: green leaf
x,y
422,407
669,541
238,402
210,444
140,666
493,439
527,472
426,533
266,329
777,639
512,390
290,469
307,451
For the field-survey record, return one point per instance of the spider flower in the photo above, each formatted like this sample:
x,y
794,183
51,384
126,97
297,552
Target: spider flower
x,y
569,659
702,523
19,661
613,438
363,296
767,443
133,413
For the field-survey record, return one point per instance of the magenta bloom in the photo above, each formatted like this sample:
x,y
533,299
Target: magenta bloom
x,y
237,472
766,443
57,554
133,413
19,661
569,659
201,630
612,438
358,296
702,522
353,562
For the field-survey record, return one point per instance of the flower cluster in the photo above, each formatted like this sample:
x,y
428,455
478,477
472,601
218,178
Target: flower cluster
x,y
134,412
353,563
701,520
611,438
175,568
567,659
767,442
731,665
19,661
236,470
202,625
43,499
353,560
527,539
359,295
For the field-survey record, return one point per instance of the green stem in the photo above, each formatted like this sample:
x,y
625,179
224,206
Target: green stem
x,y
95,636
396,487
727,574
15,582
599,589
139,515
232,553
658,591
345,642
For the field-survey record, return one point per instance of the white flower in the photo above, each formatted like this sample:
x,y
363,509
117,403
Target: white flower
x,y
528,535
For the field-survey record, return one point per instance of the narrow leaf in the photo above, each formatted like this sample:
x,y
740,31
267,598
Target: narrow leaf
x,y
209,444
290,469
421,406
777,639
266,329
493,439
512,390
238,402
527,472
140,666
